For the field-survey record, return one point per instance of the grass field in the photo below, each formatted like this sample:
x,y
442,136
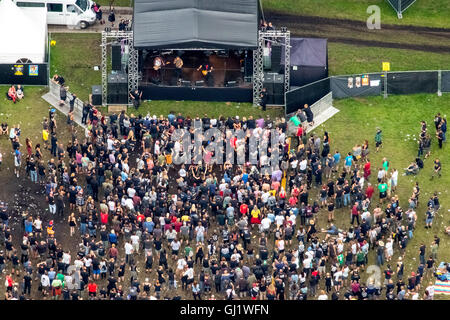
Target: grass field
x,y
347,59
430,13
74,57
398,116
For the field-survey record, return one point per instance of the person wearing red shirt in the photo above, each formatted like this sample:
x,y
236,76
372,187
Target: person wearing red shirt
x,y
355,213
92,288
367,169
104,217
177,225
369,191
140,217
243,209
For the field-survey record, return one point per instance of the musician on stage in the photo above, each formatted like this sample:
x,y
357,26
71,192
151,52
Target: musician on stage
x,y
206,70
178,62
158,64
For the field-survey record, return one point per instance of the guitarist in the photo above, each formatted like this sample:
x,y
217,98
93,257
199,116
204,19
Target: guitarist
x,y
206,70
158,64
178,62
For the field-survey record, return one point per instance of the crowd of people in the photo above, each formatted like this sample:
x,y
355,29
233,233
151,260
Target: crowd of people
x,y
145,228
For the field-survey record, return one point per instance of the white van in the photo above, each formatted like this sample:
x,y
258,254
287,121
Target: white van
x,y
64,12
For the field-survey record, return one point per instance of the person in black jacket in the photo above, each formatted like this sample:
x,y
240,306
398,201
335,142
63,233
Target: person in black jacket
x,y
263,96
309,114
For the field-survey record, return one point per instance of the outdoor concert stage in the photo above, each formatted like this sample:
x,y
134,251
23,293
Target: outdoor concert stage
x,y
226,83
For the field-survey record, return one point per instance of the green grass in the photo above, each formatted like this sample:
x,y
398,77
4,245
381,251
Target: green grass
x,y
347,59
212,109
399,118
74,57
115,3
430,13
29,114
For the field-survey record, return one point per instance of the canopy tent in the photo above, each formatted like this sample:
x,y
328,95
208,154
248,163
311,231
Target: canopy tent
x,y
309,60
195,24
400,5
23,33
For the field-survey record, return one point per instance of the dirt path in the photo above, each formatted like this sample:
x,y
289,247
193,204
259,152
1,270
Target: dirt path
x,y
356,33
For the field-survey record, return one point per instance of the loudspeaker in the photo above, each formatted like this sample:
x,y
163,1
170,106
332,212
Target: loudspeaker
x,y
231,84
248,64
185,83
276,58
278,99
96,95
116,57
117,88
266,59
200,83
269,77
269,88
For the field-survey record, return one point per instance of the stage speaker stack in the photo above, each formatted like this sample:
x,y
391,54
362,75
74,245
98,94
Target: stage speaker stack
x,y
200,83
117,88
185,83
268,84
276,58
116,57
267,65
248,66
278,89
230,84
96,95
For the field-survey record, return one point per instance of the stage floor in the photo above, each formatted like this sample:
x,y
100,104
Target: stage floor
x,y
225,68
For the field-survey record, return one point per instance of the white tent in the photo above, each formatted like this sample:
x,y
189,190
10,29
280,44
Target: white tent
x,y
23,33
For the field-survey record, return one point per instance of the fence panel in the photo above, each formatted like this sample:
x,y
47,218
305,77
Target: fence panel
x,y
445,81
308,94
359,85
412,82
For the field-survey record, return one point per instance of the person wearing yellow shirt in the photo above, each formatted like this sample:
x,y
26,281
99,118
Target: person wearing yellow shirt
x,y
45,137
256,213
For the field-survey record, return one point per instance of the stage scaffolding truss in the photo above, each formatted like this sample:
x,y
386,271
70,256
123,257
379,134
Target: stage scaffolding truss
x,y
108,38
282,37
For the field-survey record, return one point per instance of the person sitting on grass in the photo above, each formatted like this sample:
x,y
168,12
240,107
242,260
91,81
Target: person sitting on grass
x,y
413,168
12,95
4,128
19,92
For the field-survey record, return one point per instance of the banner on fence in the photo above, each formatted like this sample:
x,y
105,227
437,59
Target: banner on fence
x,y
24,73
356,85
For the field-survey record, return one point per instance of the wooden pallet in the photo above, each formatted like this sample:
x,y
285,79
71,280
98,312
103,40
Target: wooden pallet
x,y
116,108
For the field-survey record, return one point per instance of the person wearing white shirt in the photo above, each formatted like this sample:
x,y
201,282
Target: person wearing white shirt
x,y
302,165
265,224
45,283
128,250
265,196
128,202
78,264
323,296
135,242
131,192
279,219
180,266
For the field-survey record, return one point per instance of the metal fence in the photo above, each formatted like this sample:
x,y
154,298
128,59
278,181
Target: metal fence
x,y
369,84
55,90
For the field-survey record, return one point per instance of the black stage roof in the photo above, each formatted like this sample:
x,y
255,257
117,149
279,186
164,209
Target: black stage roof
x,y
195,24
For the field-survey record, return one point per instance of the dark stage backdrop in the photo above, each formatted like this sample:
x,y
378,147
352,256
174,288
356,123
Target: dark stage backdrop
x,y
309,60
24,73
